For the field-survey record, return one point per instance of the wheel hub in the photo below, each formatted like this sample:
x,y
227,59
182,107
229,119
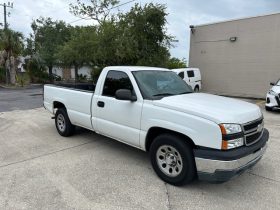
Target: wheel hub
x,y
61,122
169,160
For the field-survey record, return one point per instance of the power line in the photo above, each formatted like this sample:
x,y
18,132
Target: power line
x,y
45,15
64,7
120,5
79,20
20,11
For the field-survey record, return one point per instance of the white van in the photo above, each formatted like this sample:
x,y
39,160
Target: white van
x,y
191,76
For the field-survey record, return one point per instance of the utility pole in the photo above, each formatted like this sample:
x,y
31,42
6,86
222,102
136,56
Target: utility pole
x,y
5,16
10,5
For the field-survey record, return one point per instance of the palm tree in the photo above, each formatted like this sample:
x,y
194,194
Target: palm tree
x,y
11,43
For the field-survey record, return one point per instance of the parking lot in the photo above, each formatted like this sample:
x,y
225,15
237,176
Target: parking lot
x,y
39,169
21,99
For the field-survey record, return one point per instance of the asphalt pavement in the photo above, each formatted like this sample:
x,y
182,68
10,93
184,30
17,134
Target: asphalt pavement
x,y
21,98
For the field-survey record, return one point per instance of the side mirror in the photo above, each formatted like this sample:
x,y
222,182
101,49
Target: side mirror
x,y
125,94
272,83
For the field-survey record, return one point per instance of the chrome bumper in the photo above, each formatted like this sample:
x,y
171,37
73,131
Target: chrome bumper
x,y
211,166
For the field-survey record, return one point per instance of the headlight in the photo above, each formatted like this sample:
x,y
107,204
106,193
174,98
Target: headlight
x,y
230,128
232,136
230,144
271,92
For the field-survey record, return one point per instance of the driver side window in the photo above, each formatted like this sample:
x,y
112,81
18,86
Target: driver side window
x,y
114,81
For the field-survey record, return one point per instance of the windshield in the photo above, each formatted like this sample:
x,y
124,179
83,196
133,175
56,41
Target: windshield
x,y
159,84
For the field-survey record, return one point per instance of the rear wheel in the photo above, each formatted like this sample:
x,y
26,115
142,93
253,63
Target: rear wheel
x,y
172,159
63,124
196,89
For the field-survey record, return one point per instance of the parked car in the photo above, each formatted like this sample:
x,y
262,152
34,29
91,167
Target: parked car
x,y
187,134
55,77
273,97
191,76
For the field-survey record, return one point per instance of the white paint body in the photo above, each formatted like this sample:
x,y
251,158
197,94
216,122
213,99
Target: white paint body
x,y
195,115
191,76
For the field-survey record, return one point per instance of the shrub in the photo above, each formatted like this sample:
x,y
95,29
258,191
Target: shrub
x,y
36,71
22,79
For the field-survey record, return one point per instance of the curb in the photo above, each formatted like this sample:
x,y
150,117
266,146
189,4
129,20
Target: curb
x,y
31,86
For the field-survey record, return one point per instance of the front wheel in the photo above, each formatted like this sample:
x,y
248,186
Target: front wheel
x,y
172,159
196,89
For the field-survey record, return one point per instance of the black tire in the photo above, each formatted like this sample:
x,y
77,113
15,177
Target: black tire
x,y
196,89
68,130
267,108
188,169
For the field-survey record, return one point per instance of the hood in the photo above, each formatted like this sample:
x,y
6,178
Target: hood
x,y
276,89
215,108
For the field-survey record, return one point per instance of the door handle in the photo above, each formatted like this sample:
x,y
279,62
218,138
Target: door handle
x,y
100,104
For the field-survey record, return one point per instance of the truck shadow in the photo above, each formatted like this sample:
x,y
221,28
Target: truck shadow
x,y
141,158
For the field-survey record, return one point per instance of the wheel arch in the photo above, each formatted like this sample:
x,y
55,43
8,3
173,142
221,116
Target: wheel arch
x,y
153,132
57,105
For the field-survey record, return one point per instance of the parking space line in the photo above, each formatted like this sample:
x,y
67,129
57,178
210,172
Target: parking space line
x,y
249,172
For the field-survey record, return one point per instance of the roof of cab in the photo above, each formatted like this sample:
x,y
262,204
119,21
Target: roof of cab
x,y
135,68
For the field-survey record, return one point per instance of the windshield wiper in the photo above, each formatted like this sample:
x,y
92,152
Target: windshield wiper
x,y
164,94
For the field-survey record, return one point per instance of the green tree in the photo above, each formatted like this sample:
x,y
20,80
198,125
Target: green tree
x,y
144,39
176,63
80,49
98,10
11,45
47,36
35,69
108,45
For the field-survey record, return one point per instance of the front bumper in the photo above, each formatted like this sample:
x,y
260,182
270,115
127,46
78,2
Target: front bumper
x,y
272,101
220,166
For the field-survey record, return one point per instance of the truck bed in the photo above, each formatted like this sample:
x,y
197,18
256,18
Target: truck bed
x,y
78,86
76,101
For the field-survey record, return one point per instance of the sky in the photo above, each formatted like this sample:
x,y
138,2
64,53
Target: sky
x,y
181,14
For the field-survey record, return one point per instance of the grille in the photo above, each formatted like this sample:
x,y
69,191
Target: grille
x,y
278,100
253,131
250,139
252,126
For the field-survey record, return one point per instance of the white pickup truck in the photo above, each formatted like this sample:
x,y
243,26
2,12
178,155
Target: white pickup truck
x,y
187,134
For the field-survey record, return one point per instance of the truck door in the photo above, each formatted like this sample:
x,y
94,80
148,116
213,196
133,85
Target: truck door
x,y
117,118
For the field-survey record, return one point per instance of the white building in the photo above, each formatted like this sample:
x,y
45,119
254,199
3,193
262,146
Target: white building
x,y
237,57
